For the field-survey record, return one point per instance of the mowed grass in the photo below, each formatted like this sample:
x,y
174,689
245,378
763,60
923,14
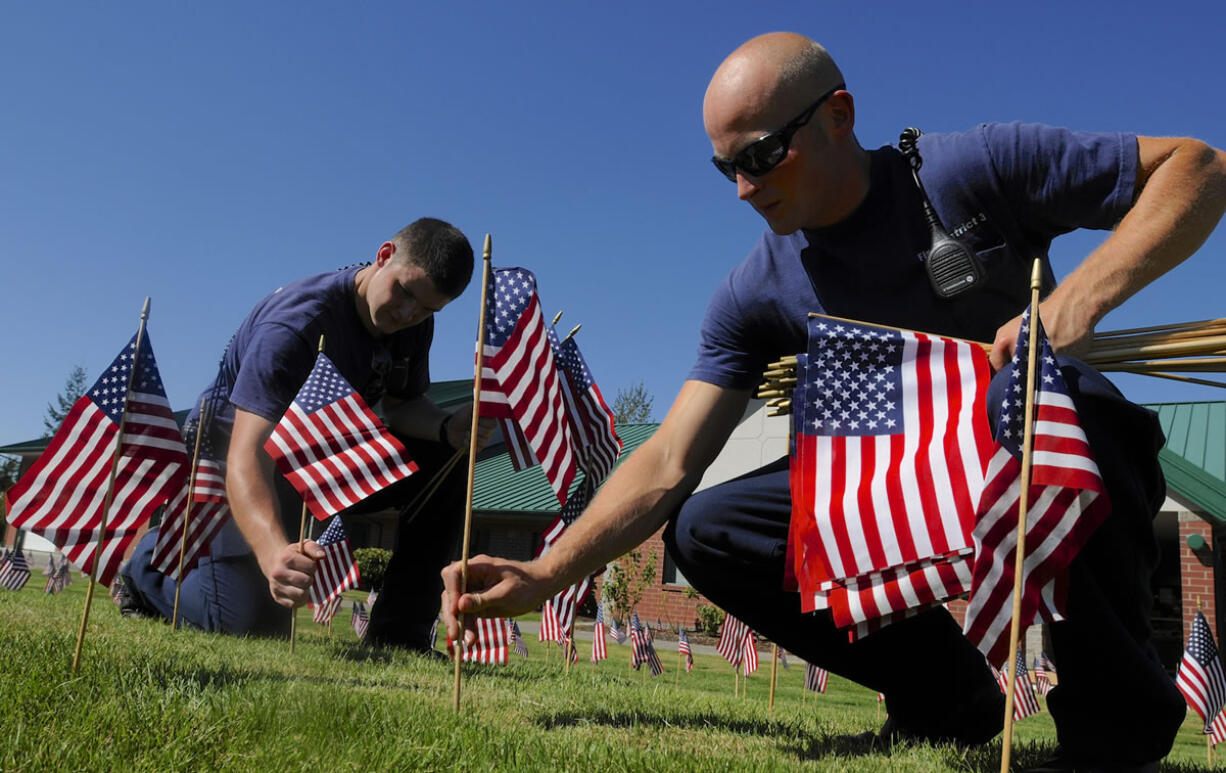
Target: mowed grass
x,y
147,698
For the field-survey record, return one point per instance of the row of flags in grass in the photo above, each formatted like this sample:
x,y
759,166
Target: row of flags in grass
x,y
329,445
552,413
901,499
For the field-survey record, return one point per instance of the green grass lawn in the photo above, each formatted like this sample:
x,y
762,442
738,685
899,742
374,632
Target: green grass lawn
x,y
147,698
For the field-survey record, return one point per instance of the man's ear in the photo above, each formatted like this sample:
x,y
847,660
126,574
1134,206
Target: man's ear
x,y
842,114
385,253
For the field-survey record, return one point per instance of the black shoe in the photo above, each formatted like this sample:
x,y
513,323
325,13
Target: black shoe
x,y
131,603
1061,762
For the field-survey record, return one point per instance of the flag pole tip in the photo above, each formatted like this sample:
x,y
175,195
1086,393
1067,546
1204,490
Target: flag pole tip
x,y
489,248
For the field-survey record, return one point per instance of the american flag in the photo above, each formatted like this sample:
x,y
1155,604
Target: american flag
x,y
599,650
815,678
893,448
732,640
643,651
61,497
568,647
549,630
1025,702
360,619
520,378
16,573
1067,503
522,456
116,588
618,635
59,578
433,626
332,447
1041,680
517,641
326,611
683,647
566,602
1217,729
783,659
598,445
493,636
1200,676
749,653
337,570
373,595
209,510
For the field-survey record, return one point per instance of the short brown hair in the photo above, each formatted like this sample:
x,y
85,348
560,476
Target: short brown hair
x,y
441,250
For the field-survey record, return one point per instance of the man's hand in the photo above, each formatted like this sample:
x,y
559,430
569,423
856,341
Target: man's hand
x,y
459,428
497,587
1068,332
290,572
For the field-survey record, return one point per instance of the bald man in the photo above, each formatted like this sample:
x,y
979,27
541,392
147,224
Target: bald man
x,y
847,236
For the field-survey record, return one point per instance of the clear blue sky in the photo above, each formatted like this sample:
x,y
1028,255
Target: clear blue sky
x,y
204,153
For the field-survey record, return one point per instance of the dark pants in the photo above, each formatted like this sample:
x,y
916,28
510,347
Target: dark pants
x,y
230,595
1114,698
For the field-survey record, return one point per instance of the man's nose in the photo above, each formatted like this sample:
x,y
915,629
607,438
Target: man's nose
x,y
746,186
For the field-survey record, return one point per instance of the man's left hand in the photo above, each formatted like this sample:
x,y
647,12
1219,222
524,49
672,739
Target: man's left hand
x,y
1068,332
459,428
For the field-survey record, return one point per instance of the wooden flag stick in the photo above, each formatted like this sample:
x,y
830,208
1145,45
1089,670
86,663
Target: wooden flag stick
x,y
302,535
680,665
187,512
472,451
770,707
100,534
410,511
1023,506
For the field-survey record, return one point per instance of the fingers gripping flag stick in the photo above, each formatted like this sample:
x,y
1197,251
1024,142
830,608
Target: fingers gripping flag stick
x,y
332,447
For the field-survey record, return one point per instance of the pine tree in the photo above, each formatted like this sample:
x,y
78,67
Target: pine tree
x,y
74,387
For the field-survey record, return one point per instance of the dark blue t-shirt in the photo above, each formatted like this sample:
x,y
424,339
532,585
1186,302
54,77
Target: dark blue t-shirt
x,y
1005,189
275,347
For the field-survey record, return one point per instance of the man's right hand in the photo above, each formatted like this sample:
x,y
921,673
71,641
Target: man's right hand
x,y
497,587
290,572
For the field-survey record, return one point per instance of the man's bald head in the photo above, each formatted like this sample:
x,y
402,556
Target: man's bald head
x,y
767,80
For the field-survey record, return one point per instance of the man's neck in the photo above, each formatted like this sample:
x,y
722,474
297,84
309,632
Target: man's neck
x,y
361,283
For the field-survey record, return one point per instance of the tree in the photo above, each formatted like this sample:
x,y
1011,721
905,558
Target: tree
x,y
74,387
633,405
627,580
9,465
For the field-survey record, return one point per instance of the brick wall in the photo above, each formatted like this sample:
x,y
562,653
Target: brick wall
x,y
1196,572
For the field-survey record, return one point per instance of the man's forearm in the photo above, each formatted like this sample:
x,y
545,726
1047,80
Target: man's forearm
x,y
636,500
253,501
416,418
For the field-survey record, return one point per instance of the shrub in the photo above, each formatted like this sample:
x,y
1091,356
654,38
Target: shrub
x,y
372,565
709,618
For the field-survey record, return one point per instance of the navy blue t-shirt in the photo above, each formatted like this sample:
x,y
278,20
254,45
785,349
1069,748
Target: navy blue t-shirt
x,y
1005,189
274,349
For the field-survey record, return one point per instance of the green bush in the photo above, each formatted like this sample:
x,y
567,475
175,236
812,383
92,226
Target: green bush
x,y
372,565
709,618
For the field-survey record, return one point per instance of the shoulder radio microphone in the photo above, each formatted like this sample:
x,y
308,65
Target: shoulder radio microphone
x,y
953,267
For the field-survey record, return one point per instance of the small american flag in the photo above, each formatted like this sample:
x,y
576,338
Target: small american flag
x,y
892,448
493,636
683,647
433,626
209,509
332,447
598,445
1200,676
337,571
643,651
360,619
815,678
618,634
549,624
1041,681
732,640
16,573
1217,729
1067,503
116,588
324,612
749,653
1025,702
783,659
599,649
566,602
61,497
520,378
517,641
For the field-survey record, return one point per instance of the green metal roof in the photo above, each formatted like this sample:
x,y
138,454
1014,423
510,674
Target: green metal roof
x,y
499,488
1194,457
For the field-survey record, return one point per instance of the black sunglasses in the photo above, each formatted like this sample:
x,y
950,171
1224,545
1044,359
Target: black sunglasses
x,y
765,153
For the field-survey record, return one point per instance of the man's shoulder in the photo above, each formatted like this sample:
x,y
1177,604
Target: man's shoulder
x,y
299,303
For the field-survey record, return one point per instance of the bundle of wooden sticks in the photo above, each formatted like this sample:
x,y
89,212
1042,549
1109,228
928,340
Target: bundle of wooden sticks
x,y
1164,351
